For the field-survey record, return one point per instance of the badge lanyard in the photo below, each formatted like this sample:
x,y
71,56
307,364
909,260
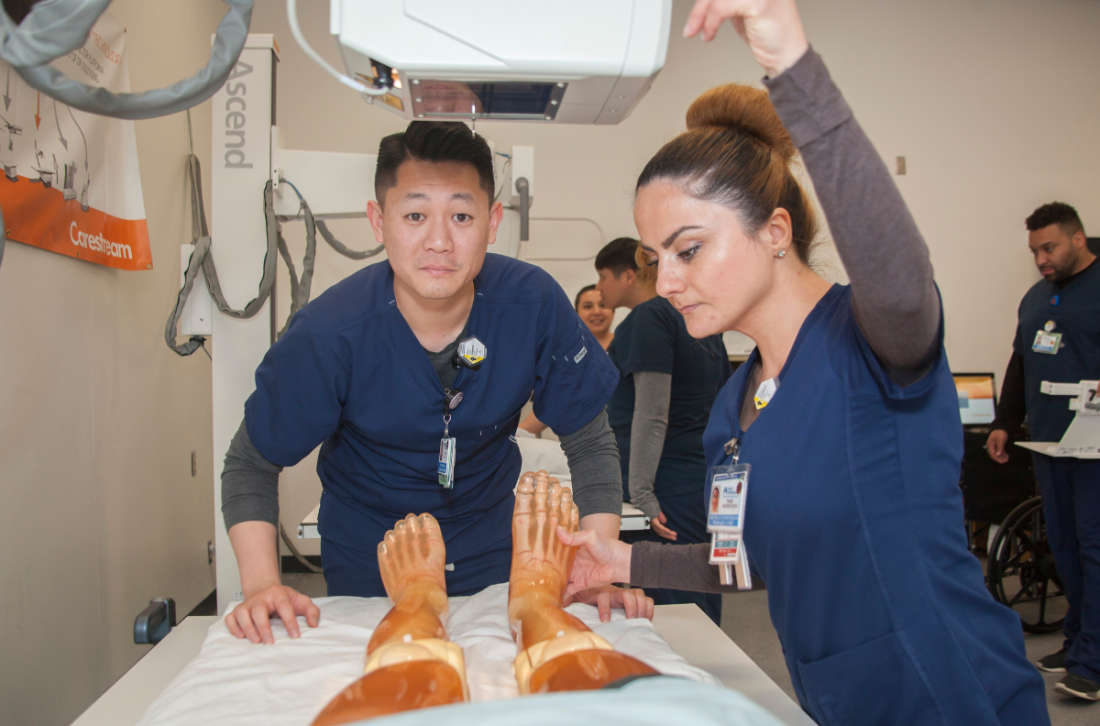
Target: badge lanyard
x,y
471,354
729,489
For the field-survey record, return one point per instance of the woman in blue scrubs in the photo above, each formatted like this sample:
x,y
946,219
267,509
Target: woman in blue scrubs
x,y
853,516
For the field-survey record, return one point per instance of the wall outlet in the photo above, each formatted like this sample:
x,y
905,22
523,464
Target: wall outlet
x,y
901,166
194,464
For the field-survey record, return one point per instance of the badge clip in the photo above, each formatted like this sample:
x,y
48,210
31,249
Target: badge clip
x,y
471,353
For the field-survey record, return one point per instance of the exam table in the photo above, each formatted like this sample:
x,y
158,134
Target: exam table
x,y
684,627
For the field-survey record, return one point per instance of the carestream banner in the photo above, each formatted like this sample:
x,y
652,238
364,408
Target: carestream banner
x,y
70,180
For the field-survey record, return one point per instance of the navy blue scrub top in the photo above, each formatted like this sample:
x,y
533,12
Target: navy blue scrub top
x,y
654,337
350,375
854,521
1075,312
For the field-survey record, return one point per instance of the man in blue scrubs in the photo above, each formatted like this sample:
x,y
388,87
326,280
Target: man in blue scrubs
x,y
439,346
1064,309
660,409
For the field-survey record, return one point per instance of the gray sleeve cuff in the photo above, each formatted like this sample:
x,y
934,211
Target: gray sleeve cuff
x,y
808,102
250,484
679,567
594,467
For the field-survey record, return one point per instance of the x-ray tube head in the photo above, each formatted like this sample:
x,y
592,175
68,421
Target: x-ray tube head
x,y
570,61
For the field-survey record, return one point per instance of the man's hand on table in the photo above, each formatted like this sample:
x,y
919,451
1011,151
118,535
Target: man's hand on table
x,y
252,618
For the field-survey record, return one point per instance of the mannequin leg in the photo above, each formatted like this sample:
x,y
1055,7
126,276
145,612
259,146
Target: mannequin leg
x,y
410,662
557,651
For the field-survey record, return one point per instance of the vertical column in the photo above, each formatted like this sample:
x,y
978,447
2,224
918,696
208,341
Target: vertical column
x,y
243,112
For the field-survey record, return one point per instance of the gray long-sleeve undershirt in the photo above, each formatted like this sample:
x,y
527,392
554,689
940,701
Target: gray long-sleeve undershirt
x,y
893,292
652,394
894,297
250,483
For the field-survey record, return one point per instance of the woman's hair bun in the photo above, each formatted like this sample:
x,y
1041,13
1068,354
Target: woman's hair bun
x,y
744,109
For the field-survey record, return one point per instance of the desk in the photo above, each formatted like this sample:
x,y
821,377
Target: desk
x,y
684,627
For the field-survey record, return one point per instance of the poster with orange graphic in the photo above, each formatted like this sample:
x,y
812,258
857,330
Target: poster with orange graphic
x,y
70,180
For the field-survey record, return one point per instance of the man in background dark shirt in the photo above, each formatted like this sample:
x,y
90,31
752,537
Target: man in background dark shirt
x,y
1058,340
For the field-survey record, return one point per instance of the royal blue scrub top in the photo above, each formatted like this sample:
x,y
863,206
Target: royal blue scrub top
x,y
654,338
854,521
350,375
1074,311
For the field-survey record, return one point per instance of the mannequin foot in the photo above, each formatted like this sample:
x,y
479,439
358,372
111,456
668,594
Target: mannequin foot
x,y
540,562
412,552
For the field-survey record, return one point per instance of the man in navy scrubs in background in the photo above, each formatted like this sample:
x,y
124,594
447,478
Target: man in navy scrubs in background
x,y
1063,309
440,342
659,410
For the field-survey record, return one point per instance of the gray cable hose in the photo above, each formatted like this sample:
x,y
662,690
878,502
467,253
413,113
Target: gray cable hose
x,y
300,289
294,551
50,30
56,27
201,257
276,245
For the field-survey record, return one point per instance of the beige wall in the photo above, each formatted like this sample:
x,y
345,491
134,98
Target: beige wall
x,y
98,420
993,103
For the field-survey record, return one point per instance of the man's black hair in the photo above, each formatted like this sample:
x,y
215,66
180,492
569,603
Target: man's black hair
x,y
1057,213
436,142
618,256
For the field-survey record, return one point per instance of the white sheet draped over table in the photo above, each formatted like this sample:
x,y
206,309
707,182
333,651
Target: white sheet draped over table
x,y
288,683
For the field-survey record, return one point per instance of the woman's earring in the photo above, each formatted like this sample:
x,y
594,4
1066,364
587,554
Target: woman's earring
x,y
781,253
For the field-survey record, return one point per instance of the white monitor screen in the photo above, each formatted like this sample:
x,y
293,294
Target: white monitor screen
x,y
976,402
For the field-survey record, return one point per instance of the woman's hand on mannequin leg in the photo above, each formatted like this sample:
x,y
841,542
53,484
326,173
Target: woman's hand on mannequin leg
x,y
600,560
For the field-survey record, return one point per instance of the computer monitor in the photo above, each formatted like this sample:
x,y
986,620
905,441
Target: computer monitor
x,y
977,399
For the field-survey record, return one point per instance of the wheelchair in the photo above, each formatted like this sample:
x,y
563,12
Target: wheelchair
x,y
1020,571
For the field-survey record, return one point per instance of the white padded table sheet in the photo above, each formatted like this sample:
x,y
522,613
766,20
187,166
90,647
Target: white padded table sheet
x,y
289,682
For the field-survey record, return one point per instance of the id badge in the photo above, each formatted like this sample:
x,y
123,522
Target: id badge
x,y
1046,342
727,551
729,486
447,462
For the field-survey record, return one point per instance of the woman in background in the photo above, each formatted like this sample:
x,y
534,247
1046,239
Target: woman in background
x,y
595,314
597,318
